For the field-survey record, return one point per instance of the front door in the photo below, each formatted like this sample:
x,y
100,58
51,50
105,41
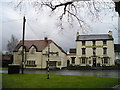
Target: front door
x,y
94,62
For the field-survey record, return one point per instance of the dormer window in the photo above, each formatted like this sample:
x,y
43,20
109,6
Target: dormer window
x,y
32,50
20,50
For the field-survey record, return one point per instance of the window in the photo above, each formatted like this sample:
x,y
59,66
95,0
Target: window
x,y
105,60
83,43
83,51
30,62
104,42
94,51
20,52
32,51
83,60
104,51
73,60
89,62
52,63
59,63
54,53
94,43
117,53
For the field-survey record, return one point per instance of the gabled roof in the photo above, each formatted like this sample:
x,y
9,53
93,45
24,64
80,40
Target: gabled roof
x,y
39,45
94,37
117,47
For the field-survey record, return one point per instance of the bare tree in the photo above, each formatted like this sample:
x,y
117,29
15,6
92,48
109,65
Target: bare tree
x,y
71,10
12,43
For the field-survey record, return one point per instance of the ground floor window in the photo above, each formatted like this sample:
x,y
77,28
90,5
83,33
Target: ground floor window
x,y
51,63
30,62
59,63
73,60
90,62
83,60
105,60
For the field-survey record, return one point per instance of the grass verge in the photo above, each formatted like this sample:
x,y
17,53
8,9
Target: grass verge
x,y
56,81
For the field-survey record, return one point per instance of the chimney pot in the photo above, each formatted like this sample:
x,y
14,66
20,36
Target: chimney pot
x,y
110,33
45,38
77,34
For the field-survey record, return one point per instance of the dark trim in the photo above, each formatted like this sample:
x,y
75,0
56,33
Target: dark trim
x,y
19,48
60,48
34,46
27,51
95,40
83,57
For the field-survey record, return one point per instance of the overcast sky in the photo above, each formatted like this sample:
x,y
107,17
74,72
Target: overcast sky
x,y
40,25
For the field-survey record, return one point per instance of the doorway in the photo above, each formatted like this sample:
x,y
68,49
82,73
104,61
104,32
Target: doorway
x,y
68,62
94,62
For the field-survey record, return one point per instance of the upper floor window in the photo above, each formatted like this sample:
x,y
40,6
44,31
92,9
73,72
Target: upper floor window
x,y
83,51
104,42
54,53
83,43
104,51
94,51
94,42
117,53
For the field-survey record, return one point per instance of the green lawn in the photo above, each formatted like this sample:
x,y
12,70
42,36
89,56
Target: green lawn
x,y
56,81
